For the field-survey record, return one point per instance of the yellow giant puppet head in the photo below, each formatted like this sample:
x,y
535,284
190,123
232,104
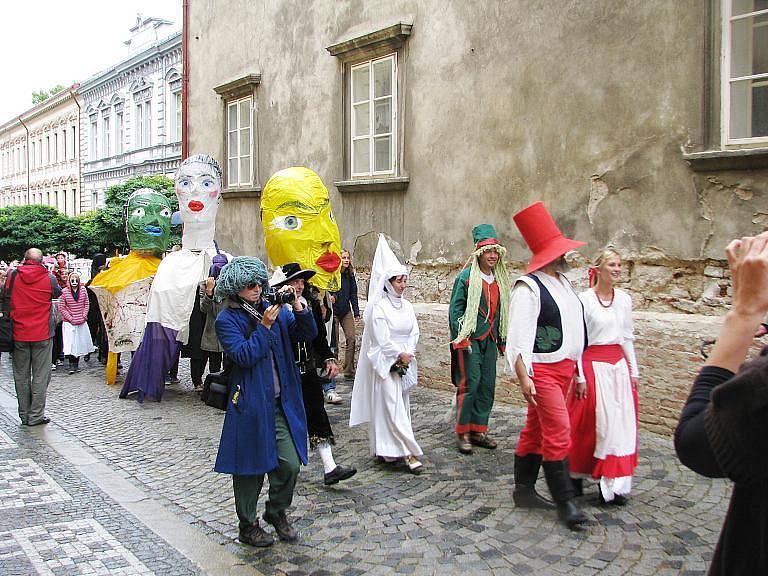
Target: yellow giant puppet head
x,y
299,225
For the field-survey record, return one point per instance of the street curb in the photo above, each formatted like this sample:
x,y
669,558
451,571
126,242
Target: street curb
x,y
213,559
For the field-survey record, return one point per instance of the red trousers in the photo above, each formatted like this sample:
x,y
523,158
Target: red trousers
x,y
547,429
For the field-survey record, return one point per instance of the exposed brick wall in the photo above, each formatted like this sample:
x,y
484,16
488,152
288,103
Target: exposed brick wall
x,y
655,284
667,347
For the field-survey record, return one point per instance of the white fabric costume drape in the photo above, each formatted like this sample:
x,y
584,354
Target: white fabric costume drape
x,y
378,397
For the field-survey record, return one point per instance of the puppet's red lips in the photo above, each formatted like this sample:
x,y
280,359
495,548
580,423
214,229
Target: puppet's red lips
x,y
329,261
195,206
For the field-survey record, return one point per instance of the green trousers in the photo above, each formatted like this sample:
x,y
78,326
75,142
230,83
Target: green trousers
x,y
476,386
282,480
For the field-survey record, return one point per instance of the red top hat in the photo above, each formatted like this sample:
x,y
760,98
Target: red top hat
x,y
542,236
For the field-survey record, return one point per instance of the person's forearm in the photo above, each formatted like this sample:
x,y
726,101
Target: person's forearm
x,y
520,370
734,340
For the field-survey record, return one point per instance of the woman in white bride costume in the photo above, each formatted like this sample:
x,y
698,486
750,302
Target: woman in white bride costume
x,y
198,188
386,369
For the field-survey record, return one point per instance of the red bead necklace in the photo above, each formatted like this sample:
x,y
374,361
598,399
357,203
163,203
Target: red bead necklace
x,y
613,295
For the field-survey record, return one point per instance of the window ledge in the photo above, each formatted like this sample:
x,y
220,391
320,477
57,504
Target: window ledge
x,y
399,184
713,160
373,44
244,192
240,87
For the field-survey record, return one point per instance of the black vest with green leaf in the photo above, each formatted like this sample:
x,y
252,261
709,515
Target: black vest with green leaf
x,y
549,325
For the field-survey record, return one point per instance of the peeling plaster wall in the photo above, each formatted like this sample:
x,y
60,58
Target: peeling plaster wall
x,y
582,104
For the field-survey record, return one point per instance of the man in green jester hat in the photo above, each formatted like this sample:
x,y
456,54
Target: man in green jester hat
x,y
478,317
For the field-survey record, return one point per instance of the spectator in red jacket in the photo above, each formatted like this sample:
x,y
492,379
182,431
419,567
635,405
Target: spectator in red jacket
x,y
32,289
76,336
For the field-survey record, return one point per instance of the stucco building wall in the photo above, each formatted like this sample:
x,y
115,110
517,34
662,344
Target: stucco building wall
x,y
588,106
40,155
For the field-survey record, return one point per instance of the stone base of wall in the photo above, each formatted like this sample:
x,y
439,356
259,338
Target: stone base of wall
x,y
667,346
656,283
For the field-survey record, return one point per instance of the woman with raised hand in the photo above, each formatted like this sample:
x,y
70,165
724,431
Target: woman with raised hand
x,y
724,425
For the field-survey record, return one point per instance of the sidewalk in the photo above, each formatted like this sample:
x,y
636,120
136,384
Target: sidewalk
x,y
456,518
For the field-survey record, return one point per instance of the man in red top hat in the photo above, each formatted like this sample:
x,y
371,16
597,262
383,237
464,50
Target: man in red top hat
x,y
544,346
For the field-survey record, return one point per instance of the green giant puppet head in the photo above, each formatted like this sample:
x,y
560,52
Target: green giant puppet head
x,y
148,220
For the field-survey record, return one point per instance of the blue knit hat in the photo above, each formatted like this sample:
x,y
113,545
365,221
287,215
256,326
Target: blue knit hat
x,y
241,271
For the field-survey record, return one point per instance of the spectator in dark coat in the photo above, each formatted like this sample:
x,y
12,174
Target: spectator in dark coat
x,y
723,429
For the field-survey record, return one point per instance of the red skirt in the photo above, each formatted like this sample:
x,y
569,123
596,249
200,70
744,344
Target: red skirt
x,y
604,424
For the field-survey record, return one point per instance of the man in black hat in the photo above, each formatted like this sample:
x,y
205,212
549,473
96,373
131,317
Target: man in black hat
x,y
311,358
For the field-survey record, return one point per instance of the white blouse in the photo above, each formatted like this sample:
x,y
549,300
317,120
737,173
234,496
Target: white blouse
x,y
611,325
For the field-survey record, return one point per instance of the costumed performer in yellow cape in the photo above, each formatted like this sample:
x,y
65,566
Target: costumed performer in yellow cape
x,y
172,298
123,289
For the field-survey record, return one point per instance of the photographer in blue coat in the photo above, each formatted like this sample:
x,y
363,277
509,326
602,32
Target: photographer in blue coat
x,y
265,429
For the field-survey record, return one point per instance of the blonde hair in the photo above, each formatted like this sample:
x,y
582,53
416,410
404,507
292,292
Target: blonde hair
x,y
605,254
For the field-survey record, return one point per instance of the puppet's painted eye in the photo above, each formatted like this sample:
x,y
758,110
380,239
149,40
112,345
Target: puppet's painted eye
x,y
287,223
165,212
138,212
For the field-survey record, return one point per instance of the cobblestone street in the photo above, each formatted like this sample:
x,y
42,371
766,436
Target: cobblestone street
x,y
456,518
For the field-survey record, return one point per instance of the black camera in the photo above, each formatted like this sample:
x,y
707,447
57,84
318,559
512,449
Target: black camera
x,y
274,297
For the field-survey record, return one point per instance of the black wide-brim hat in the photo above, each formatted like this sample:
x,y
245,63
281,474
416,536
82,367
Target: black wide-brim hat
x,y
288,272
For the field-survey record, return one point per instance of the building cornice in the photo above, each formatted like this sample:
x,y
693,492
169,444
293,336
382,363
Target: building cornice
x,y
154,53
69,93
372,44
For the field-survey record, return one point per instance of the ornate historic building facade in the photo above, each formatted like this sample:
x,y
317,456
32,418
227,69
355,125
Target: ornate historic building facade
x,y
40,155
131,117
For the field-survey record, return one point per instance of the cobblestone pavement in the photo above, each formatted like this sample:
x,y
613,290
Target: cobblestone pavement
x,y
456,518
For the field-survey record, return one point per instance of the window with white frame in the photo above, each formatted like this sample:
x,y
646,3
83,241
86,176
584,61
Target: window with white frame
x,y
55,147
373,100
73,144
143,124
32,155
93,139
119,136
106,135
64,144
177,115
239,142
745,71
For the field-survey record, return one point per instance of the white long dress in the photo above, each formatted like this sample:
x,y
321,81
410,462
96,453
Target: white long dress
x,y
378,398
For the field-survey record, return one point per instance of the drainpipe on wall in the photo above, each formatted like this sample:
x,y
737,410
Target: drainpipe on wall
x,y
26,160
79,164
184,78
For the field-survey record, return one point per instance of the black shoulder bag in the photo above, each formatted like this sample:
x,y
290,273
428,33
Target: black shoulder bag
x,y
6,324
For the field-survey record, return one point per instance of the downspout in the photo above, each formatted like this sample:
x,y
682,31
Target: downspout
x,y
184,78
77,157
26,160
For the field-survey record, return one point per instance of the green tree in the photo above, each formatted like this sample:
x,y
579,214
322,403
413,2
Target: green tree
x,y
42,95
43,227
108,222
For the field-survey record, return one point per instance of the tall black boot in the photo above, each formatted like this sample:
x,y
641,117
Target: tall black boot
x,y
526,472
559,481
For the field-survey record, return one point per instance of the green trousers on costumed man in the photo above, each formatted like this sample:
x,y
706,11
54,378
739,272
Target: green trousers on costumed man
x,y
477,318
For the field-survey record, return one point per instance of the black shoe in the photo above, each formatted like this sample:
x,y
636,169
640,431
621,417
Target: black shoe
x,y
285,531
338,474
559,481
618,499
526,472
43,420
527,497
255,535
72,371
87,357
570,515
